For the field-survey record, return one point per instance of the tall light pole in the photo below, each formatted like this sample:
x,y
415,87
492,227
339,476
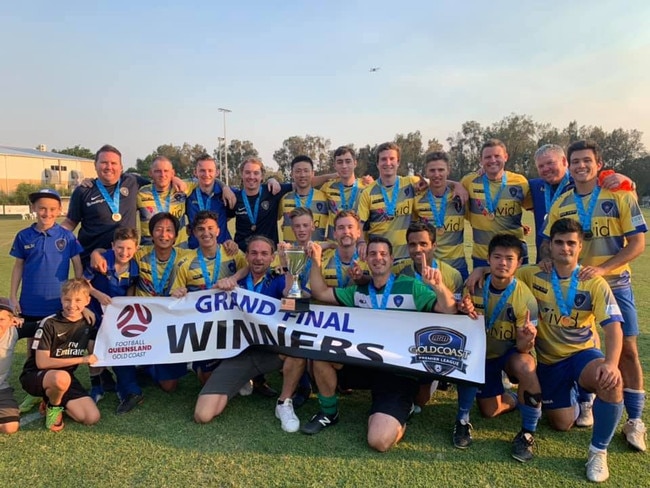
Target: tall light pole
x,y
219,142
225,141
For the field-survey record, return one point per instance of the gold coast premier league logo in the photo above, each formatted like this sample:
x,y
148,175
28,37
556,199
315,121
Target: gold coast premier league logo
x,y
133,320
440,350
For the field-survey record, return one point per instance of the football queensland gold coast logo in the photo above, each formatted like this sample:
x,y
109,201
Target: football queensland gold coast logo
x,y
133,320
441,350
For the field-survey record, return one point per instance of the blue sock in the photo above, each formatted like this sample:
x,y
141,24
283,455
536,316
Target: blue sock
x,y
634,401
584,396
529,416
606,418
466,395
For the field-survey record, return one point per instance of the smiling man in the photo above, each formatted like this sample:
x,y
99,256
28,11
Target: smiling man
x,y
392,394
159,196
106,205
497,199
304,196
207,195
614,235
343,193
444,212
567,343
232,373
256,209
386,205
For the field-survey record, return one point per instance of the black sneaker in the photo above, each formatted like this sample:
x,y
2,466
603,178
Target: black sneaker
x,y
300,397
264,390
318,422
462,436
107,381
131,401
522,446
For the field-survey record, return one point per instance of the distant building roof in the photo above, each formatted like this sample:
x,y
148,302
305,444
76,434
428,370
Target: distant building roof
x,y
35,153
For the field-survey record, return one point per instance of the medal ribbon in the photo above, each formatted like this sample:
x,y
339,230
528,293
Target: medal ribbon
x,y
565,306
298,199
491,318
252,214
112,202
156,198
251,286
491,204
548,189
209,280
345,205
392,204
203,204
159,284
586,216
386,294
438,215
339,268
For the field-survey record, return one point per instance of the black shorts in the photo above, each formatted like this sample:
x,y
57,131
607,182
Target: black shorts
x,y
392,394
8,406
232,373
32,382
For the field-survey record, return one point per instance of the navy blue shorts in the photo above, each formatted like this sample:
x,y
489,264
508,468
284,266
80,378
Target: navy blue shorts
x,y
493,385
558,380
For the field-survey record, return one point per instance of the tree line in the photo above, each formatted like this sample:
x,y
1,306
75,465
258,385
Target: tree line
x,y
623,150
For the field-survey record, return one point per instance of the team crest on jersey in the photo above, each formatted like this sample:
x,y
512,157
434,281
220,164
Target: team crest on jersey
x,y
124,191
60,244
232,267
320,206
398,300
265,205
516,192
408,192
510,314
580,300
607,206
458,205
440,350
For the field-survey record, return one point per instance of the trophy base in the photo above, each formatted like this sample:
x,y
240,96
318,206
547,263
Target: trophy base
x,y
294,305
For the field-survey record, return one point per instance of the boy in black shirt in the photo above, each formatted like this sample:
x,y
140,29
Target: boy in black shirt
x,y
60,344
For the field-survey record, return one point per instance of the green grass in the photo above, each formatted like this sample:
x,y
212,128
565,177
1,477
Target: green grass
x,y
158,444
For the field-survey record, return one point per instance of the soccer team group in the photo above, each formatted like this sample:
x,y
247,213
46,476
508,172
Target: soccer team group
x,y
393,243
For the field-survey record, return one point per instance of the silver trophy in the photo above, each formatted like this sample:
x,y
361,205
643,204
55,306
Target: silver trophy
x,y
296,262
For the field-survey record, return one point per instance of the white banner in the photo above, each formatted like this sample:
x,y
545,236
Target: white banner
x,y
214,324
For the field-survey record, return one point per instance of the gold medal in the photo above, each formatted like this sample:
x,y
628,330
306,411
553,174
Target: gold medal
x,y
490,216
567,321
440,230
116,217
253,227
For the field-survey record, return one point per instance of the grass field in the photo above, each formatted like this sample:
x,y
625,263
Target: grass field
x,y
158,444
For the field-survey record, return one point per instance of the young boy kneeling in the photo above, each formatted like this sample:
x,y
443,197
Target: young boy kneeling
x,y
60,345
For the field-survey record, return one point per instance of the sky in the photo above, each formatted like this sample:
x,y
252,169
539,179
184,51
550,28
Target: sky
x,y
138,74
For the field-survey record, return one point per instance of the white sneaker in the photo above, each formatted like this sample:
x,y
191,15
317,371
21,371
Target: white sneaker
x,y
586,417
635,434
284,412
597,470
247,389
